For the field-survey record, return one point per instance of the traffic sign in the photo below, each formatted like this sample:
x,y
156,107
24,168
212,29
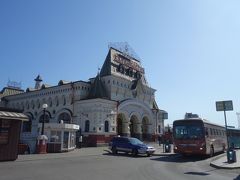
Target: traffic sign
x,y
224,105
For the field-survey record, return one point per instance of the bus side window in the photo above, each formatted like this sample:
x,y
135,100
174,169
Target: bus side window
x,y
206,131
211,131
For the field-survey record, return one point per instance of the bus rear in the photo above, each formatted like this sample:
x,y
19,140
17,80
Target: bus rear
x,y
189,136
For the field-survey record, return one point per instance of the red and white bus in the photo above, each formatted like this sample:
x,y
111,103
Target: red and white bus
x,y
198,136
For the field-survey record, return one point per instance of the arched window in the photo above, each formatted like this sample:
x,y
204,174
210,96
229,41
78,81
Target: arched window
x,y
38,103
27,105
27,125
87,125
50,102
63,100
121,69
22,106
130,72
106,126
159,128
17,106
65,117
56,101
32,104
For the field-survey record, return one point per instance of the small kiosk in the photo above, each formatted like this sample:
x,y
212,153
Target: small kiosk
x,y
10,126
61,137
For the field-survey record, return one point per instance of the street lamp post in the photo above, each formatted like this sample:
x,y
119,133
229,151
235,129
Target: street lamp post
x,y
44,106
42,139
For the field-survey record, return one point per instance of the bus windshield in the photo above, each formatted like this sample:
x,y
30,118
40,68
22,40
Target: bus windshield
x,y
188,132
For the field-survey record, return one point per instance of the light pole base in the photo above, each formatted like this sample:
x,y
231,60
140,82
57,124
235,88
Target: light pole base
x,y
41,144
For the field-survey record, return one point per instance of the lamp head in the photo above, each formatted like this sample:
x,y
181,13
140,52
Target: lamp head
x,y
44,106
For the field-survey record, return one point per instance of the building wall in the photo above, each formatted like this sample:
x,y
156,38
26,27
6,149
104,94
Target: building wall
x,y
127,96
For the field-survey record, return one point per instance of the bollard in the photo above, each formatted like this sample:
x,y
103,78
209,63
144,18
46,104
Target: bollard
x,y
231,156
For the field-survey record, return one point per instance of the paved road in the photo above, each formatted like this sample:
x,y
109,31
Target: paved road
x,y
98,164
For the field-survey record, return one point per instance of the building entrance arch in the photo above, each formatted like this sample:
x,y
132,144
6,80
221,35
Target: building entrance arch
x,y
65,117
121,129
145,128
138,121
134,127
119,126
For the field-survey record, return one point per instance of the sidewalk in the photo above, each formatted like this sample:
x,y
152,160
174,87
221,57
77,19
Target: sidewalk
x,y
221,161
89,151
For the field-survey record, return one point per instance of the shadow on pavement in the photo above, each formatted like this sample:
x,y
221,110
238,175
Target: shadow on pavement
x,y
197,173
177,158
122,154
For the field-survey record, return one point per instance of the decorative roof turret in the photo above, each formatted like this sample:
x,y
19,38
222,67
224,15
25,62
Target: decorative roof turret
x,y
38,82
38,78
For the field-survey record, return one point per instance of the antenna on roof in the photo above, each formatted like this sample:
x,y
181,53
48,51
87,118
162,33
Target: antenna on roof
x,y
14,84
125,48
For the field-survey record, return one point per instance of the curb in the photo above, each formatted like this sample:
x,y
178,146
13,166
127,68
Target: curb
x,y
218,157
221,167
162,154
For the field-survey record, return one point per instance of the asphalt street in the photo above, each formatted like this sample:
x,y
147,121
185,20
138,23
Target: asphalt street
x,y
97,163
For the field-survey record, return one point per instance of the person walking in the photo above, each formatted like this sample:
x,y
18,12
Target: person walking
x,y
159,140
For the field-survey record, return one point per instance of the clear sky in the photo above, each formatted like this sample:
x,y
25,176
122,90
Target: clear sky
x,y
190,49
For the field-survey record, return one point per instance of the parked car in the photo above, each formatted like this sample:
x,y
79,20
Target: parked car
x,y
130,145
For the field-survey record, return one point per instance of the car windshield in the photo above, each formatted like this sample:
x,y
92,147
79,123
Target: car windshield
x,y
135,141
188,132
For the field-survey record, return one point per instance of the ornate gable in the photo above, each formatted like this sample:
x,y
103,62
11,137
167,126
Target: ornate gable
x,y
124,65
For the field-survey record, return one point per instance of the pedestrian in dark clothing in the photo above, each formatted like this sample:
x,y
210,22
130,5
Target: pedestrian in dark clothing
x,y
159,140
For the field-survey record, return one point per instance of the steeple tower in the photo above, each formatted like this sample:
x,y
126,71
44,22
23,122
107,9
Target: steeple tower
x,y
38,82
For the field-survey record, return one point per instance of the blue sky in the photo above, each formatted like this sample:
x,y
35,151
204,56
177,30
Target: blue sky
x,y
189,48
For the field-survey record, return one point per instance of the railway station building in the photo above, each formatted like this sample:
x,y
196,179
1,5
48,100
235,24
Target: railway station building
x,y
118,101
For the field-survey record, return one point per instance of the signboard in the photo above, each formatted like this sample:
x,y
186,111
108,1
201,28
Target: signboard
x,y
126,62
224,105
165,115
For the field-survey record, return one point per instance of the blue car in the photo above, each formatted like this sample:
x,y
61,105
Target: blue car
x,y
130,145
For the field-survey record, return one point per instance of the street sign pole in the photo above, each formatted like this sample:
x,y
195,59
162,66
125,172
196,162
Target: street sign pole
x,y
227,106
225,117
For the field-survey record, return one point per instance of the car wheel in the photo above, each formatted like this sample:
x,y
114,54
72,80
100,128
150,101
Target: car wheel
x,y
135,152
148,154
114,150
